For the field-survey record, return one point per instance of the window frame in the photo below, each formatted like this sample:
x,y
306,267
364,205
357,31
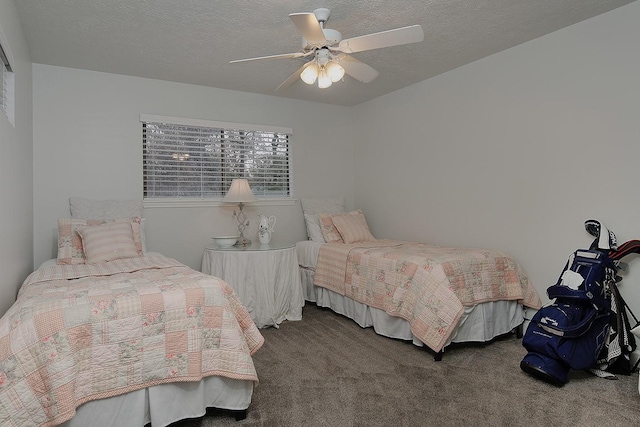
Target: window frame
x,y
7,82
216,201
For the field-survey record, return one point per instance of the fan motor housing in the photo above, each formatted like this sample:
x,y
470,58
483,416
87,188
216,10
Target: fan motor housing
x,y
333,37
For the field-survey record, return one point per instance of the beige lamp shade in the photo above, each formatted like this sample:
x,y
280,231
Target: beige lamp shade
x,y
240,192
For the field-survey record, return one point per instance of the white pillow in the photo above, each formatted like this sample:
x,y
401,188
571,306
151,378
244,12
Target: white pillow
x,y
313,227
105,209
325,205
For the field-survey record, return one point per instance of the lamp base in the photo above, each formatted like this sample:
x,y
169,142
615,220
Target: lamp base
x,y
242,224
243,242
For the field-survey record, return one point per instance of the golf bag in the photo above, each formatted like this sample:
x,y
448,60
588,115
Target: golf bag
x,y
615,357
575,330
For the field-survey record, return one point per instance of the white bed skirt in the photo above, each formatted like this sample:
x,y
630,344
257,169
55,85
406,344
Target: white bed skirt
x,y
164,404
480,323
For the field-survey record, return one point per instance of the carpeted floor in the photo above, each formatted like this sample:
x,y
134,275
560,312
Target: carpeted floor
x,y
327,371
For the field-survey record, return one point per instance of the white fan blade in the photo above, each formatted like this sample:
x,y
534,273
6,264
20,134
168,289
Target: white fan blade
x,y
308,25
293,77
283,55
357,69
405,35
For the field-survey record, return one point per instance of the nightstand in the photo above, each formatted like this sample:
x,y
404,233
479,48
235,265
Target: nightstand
x,y
266,278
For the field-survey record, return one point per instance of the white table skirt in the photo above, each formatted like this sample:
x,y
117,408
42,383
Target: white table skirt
x,y
267,281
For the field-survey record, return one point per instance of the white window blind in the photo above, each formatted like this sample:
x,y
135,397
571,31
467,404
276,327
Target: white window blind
x,y
197,159
7,79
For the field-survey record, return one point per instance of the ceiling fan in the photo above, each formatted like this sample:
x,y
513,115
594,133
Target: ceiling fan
x,y
329,52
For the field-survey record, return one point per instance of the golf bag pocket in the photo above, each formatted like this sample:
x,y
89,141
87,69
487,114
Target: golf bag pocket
x,y
571,333
562,337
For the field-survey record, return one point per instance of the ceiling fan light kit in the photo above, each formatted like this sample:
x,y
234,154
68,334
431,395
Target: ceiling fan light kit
x,y
324,69
330,60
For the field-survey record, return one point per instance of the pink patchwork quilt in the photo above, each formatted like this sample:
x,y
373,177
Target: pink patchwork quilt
x,y
84,332
426,285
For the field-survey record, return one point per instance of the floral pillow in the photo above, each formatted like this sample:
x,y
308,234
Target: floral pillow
x,y
353,228
329,231
108,242
69,241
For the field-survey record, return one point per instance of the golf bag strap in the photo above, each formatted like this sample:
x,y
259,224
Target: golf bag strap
x,y
566,293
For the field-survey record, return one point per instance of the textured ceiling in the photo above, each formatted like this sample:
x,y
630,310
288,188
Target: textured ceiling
x,y
192,41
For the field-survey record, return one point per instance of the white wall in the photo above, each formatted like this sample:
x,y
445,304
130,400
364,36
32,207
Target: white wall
x,y
88,143
513,151
16,151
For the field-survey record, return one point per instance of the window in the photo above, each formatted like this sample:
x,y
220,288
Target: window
x,y
196,159
6,78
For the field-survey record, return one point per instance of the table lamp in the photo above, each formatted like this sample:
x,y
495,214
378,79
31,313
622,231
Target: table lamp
x,y
240,193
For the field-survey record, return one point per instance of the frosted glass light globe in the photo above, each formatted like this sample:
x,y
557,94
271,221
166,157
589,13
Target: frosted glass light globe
x,y
310,74
324,81
335,71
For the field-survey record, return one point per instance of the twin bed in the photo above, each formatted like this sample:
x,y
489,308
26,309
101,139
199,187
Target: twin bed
x,y
430,295
108,334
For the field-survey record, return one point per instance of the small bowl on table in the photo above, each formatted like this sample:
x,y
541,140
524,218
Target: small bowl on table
x,y
226,241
